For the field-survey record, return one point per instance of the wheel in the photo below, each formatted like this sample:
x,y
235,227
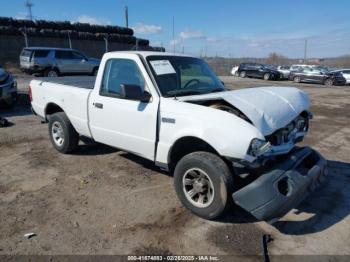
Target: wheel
x,y
62,134
204,184
329,82
267,76
236,74
94,71
51,72
243,74
297,79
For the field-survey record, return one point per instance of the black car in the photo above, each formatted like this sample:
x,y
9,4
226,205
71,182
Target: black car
x,y
266,72
318,76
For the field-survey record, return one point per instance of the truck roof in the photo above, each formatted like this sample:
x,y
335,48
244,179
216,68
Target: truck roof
x,y
151,53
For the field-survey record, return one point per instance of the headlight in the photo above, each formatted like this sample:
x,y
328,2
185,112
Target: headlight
x,y
258,147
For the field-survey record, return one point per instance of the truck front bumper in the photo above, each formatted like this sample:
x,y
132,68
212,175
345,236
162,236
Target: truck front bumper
x,y
284,186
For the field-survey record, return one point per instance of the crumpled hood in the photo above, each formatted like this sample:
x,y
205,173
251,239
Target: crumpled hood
x,y
3,74
269,108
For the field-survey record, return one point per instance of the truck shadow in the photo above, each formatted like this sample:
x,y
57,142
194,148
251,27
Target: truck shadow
x,y
325,207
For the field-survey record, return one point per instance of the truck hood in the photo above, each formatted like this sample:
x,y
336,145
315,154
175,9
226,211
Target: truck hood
x,y
268,108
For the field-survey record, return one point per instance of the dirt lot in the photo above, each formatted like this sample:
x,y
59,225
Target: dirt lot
x,y
103,201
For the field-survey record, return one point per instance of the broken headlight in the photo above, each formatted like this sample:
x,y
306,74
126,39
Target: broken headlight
x,y
259,147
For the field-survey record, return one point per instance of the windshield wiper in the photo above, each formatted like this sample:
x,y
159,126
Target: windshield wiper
x,y
184,92
215,90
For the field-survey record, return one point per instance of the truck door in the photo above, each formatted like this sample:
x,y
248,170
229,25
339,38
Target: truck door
x,y
126,124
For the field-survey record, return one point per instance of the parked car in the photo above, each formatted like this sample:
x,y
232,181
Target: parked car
x,y
234,71
53,62
318,76
173,110
258,71
284,70
345,73
8,88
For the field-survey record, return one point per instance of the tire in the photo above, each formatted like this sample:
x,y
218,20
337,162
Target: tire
x,y
62,134
51,72
297,79
267,76
328,82
243,74
216,179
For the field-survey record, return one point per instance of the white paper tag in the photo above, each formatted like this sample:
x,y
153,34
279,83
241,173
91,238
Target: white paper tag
x,y
162,67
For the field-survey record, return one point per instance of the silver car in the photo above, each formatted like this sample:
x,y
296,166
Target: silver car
x,y
53,62
8,88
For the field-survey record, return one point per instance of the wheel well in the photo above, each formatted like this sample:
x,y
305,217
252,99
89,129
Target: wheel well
x,y
52,109
185,146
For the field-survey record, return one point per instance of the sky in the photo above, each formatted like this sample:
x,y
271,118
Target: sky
x,y
229,28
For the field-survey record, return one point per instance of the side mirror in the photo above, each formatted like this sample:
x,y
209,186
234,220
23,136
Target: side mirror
x,y
134,92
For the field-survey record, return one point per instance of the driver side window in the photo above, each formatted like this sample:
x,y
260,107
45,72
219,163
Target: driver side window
x,y
117,72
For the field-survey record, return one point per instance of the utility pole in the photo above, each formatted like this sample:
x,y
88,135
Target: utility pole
x,y
29,5
126,17
174,34
105,37
305,51
69,40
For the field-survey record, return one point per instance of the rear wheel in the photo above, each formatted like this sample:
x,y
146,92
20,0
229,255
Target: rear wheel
x,y
329,82
267,76
243,74
297,79
204,184
51,72
62,134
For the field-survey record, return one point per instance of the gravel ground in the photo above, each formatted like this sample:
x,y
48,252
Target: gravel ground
x,y
104,201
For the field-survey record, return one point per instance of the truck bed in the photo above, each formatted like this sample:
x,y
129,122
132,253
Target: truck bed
x,y
86,82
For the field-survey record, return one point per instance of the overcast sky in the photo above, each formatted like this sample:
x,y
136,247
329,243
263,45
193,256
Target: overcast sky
x,y
227,28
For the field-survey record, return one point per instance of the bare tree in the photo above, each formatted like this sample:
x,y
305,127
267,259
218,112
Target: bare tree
x,y
276,59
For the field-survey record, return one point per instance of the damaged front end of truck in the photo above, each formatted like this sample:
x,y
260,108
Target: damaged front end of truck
x,y
276,175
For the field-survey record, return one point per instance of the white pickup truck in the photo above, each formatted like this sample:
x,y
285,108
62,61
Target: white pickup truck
x,y
223,147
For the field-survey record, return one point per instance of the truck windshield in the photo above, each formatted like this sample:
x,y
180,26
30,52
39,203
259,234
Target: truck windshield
x,y
181,76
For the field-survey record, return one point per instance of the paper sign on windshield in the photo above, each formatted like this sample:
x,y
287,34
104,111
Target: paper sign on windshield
x,y
162,67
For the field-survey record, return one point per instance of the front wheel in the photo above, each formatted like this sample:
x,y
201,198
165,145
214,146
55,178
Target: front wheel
x,y
329,82
243,74
297,79
267,76
204,184
62,134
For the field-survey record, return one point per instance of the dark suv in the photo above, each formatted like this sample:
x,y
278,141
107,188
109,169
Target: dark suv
x,y
266,72
317,75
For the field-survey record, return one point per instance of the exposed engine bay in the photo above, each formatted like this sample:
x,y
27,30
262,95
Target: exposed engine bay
x,y
282,140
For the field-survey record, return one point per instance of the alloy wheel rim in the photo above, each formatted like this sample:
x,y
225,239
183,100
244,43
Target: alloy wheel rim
x,y
57,133
52,74
198,188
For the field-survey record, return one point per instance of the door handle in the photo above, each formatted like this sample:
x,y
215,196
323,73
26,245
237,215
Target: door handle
x,y
98,105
